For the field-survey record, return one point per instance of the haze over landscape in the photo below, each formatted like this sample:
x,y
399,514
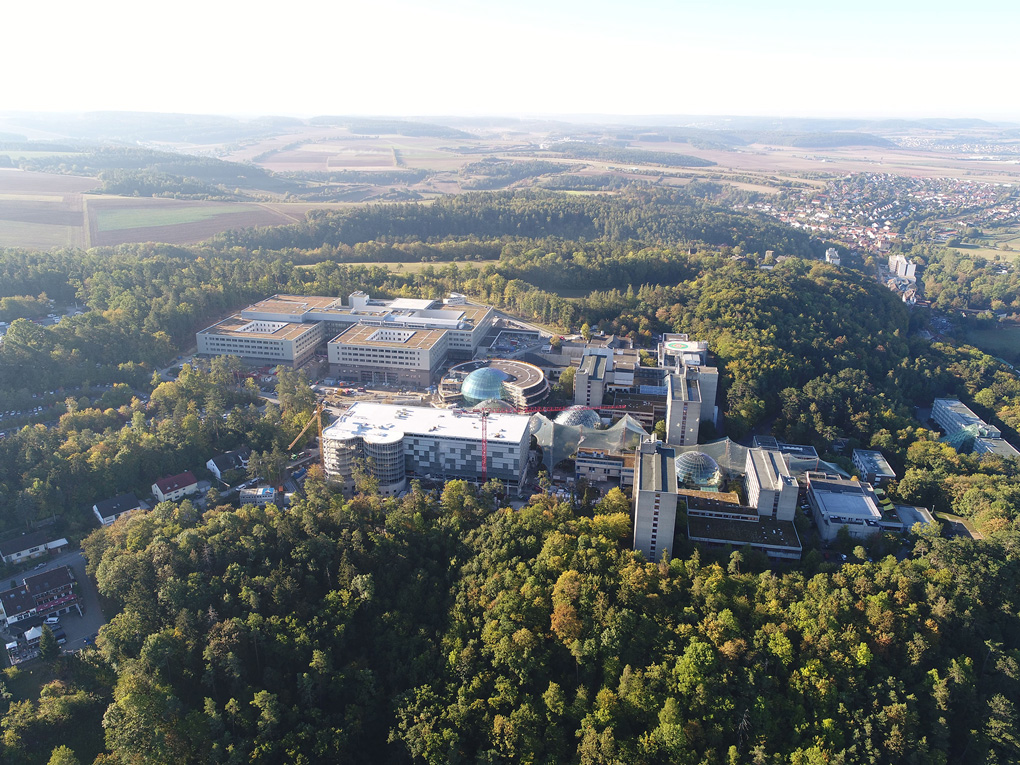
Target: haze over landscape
x,y
579,382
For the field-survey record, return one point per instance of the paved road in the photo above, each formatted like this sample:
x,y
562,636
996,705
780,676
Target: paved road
x,y
77,627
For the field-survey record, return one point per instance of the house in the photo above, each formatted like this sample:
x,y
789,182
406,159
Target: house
x,y
29,546
174,487
235,460
50,593
109,510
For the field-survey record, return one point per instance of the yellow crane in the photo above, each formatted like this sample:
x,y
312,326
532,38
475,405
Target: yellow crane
x,y
317,419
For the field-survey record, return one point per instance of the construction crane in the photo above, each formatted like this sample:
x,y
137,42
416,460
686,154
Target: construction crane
x,y
316,418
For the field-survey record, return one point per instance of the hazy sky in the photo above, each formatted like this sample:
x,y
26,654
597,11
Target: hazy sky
x,y
749,57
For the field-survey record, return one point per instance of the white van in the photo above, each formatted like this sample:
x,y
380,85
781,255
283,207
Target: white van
x,y
51,620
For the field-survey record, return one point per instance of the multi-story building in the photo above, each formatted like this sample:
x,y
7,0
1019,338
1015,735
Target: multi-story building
x,y
899,265
770,487
49,593
398,356
873,467
655,497
832,256
288,328
261,341
518,383
965,430
837,502
718,518
683,407
599,465
590,379
391,442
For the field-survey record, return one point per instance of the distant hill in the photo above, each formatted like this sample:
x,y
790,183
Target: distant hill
x,y
817,140
363,126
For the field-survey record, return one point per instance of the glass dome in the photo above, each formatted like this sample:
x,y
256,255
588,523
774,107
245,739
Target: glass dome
x,y
482,384
696,468
495,405
577,415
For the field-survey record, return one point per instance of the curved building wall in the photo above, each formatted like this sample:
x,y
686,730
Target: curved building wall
x,y
385,461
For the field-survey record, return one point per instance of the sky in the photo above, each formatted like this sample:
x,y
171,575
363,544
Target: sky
x,y
866,58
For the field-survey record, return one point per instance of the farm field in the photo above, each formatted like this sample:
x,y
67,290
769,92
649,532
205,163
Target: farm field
x,y
119,220
990,243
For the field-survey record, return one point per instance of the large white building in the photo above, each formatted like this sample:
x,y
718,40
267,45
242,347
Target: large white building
x,y
837,502
770,487
287,328
954,416
391,443
655,497
900,266
690,398
399,356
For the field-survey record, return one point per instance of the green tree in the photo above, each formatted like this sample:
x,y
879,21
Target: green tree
x,y
49,649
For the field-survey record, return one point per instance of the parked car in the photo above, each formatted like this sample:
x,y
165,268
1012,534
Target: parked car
x,y
52,620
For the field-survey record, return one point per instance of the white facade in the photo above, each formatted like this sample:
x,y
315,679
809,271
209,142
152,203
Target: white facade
x,y
261,496
832,256
655,498
389,354
952,415
276,342
174,487
837,502
683,407
770,487
392,442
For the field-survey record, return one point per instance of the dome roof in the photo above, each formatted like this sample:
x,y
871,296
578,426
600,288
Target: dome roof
x,y
696,468
494,405
482,384
577,415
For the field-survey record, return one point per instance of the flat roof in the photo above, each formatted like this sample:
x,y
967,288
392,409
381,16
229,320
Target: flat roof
x,y
365,334
765,532
294,304
909,515
658,469
845,499
995,446
771,469
715,502
874,462
389,422
594,366
238,326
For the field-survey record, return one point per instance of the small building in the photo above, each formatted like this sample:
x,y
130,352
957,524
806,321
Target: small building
x,y
109,510
873,467
837,502
259,496
224,463
29,546
174,487
655,499
832,256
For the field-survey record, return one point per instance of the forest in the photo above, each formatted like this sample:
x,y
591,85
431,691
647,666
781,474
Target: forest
x,y
441,627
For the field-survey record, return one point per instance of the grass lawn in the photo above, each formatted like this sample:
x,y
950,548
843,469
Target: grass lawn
x,y
1000,341
118,219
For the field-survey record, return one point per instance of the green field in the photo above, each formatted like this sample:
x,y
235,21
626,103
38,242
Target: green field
x,y
1000,341
989,245
39,235
119,219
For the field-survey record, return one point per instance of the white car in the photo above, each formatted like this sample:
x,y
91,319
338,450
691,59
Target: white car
x,y
52,620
